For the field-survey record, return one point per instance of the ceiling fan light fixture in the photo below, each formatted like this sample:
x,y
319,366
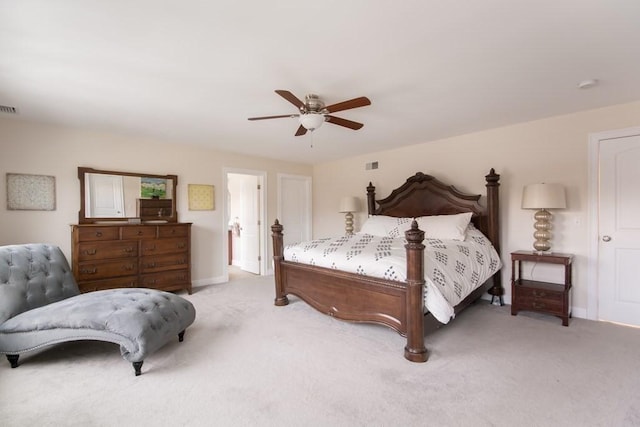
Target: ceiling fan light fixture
x,y
311,121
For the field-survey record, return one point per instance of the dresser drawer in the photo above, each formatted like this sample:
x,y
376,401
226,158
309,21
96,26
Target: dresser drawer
x,y
151,264
167,280
139,232
173,231
107,269
90,234
106,250
164,246
115,283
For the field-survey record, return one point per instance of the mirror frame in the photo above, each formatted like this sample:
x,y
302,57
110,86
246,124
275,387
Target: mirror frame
x,y
82,171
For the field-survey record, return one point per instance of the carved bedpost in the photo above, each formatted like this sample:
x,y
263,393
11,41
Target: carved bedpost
x,y
493,229
371,198
415,351
278,257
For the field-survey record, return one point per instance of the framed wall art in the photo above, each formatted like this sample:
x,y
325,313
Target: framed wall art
x,y
26,192
201,197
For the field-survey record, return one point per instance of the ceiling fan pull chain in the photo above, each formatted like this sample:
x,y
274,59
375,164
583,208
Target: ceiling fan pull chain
x,y
311,137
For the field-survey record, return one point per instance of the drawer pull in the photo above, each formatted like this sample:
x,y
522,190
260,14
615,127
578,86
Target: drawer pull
x,y
151,265
539,294
181,246
90,252
127,267
539,305
87,271
98,233
128,250
140,232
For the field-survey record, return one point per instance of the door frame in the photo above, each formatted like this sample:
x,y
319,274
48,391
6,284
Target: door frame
x,y
262,215
592,203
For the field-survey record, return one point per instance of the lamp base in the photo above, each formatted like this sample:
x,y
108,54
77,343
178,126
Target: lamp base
x,y
348,220
542,234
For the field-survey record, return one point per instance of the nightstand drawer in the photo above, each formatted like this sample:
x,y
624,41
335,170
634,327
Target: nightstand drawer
x,y
537,294
540,304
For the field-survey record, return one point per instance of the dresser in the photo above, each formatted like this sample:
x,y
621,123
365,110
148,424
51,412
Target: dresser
x,y
106,256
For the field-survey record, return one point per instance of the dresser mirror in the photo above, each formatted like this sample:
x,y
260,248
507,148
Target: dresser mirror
x,y
107,196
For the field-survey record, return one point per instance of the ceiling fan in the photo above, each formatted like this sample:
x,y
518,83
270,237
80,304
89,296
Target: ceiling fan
x,y
313,112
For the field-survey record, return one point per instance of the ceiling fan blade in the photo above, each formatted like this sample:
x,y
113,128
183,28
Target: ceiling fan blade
x,y
347,105
343,122
273,117
292,99
301,131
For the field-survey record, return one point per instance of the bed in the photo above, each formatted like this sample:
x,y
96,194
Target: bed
x,y
398,304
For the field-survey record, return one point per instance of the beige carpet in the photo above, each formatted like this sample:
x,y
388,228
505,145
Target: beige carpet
x,y
245,362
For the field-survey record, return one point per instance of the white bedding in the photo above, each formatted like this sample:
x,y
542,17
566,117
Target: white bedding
x,y
453,268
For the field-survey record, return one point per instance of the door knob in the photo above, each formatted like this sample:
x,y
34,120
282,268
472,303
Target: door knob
x,y
606,238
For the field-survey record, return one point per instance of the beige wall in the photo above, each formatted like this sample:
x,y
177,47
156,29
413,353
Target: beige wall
x,y
48,150
553,150
550,150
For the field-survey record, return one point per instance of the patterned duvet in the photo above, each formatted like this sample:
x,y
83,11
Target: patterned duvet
x,y
453,269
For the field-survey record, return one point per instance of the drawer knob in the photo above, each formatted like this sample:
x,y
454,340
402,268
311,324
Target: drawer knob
x,y
89,271
90,252
98,233
539,294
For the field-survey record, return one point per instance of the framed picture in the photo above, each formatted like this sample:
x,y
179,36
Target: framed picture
x,y
153,188
201,197
27,192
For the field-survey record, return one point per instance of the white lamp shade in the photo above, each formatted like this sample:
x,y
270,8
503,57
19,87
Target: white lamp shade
x,y
311,121
349,204
543,196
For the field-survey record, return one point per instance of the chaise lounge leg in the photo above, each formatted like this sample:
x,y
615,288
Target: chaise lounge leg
x,y
181,336
13,359
137,366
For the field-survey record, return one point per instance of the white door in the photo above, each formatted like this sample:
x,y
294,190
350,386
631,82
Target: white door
x,y
619,230
250,225
294,207
107,196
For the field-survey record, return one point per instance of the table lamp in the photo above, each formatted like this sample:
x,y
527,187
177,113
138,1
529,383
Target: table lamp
x,y
542,197
349,205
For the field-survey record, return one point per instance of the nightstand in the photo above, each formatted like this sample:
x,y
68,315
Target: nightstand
x,y
543,297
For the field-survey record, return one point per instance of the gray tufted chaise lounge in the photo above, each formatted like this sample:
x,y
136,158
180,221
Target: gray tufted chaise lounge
x,y
40,305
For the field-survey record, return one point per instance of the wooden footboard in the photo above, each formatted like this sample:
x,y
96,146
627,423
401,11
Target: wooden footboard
x,y
359,298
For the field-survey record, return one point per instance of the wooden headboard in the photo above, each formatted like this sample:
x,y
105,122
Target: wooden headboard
x,y
423,195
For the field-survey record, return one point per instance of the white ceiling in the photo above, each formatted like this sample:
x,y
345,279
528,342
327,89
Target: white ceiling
x,y
193,71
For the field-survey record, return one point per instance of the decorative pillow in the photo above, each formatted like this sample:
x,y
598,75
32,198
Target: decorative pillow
x,y
448,227
386,226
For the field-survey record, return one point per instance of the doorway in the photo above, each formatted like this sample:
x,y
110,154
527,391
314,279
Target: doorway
x,y
245,212
614,200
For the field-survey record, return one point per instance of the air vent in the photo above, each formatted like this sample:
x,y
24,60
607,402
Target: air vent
x,y
8,110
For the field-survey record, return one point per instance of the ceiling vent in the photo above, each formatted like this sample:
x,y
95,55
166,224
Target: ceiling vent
x,y
8,110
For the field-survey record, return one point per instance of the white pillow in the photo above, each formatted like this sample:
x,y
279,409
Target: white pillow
x,y
386,226
448,227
